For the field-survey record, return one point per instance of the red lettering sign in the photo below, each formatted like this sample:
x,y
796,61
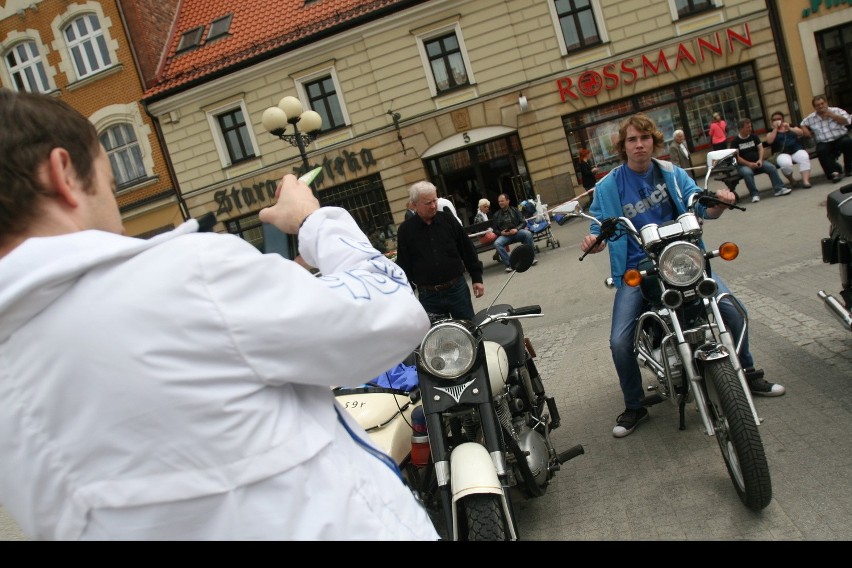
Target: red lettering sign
x,y
590,82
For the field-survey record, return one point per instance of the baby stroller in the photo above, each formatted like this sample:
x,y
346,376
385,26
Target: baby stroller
x,y
538,222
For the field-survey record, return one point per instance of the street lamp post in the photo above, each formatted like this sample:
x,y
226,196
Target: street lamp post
x,y
289,111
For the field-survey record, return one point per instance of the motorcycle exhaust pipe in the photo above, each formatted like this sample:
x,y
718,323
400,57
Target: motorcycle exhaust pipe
x,y
836,309
571,453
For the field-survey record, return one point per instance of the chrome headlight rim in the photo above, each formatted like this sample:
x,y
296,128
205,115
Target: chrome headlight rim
x,y
448,350
681,264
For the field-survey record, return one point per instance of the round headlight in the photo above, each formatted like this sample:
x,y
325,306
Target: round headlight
x,y
681,264
448,350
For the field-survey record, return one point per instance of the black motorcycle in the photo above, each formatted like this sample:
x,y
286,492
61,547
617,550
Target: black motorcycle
x,y
837,249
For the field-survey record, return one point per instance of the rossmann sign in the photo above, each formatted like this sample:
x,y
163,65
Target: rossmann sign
x,y
591,82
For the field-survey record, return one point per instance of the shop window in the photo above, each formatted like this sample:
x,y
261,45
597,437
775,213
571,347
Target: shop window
x,y
688,106
26,68
87,45
577,24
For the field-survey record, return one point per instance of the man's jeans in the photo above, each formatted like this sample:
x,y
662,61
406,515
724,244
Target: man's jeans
x,y
765,168
522,236
454,301
626,308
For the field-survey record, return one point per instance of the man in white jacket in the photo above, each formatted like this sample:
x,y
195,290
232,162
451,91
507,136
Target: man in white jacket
x,y
178,388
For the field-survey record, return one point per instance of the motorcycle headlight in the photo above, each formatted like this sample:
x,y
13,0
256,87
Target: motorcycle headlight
x,y
681,264
448,351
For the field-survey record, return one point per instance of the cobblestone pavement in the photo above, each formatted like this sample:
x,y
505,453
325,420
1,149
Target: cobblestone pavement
x,y
661,483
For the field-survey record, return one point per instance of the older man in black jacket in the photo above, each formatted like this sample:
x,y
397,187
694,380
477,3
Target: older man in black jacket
x,y
434,251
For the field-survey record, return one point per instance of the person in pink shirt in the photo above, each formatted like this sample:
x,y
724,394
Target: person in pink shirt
x,y
718,132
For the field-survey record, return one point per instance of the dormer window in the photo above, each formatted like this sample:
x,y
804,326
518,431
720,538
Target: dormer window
x,y
190,39
219,27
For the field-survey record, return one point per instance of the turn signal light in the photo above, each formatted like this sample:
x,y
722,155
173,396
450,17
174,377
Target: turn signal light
x,y
729,251
633,277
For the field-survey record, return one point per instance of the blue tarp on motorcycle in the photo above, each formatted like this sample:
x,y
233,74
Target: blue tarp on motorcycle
x,y
402,377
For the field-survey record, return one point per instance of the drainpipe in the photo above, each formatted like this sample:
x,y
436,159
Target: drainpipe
x,y
772,9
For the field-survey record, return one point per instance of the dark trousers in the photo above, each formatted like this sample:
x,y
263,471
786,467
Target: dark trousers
x,y
454,301
827,155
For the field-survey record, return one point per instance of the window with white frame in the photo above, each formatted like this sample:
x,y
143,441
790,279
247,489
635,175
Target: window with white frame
x,y
26,68
577,24
446,62
322,98
87,45
444,55
235,135
232,135
125,154
685,8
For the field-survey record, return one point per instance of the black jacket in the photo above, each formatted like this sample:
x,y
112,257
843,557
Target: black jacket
x,y
436,253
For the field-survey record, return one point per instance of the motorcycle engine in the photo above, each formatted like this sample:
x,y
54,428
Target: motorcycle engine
x,y
532,443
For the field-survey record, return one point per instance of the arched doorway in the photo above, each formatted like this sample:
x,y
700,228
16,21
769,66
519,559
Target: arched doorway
x,y
479,168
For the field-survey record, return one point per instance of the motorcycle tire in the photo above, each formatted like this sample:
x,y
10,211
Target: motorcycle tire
x,y
481,518
738,436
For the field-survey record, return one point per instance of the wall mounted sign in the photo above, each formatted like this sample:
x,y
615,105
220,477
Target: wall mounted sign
x,y
630,70
235,199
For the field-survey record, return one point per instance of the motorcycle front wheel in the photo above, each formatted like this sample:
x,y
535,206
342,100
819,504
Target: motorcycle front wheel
x,y
481,518
738,436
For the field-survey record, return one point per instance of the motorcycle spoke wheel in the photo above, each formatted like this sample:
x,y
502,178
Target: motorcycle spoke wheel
x,y
738,436
481,518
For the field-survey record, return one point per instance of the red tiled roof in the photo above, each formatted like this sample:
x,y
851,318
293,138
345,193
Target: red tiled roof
x,y
259,29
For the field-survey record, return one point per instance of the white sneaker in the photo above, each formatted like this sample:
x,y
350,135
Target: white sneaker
x,y
755,198
535,261
508,269
782,191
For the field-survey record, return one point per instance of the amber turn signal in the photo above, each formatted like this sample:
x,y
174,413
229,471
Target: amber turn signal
x,y
632,277
729,251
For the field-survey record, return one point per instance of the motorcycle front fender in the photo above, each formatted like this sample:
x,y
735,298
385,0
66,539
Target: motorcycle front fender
x,y
472,471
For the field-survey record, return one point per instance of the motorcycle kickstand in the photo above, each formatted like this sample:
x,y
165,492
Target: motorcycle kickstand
x,y
681,406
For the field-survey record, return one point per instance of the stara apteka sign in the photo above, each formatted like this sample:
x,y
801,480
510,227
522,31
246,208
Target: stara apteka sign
x,y
235,199
591,82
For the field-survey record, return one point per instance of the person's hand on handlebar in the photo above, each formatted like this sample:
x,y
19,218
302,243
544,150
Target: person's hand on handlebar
x,y
587,245
726,195
295,202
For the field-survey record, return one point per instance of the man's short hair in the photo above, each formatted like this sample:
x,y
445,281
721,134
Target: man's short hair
x,y
419,189
31,126
743,122
818,98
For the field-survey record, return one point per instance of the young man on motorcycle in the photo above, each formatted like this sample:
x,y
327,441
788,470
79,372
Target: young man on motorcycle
x,y
178,388
648,190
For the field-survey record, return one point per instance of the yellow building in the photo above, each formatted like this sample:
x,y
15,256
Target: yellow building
x,y
480,96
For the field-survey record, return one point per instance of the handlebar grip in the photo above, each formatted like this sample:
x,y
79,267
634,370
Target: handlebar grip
x,y
526,310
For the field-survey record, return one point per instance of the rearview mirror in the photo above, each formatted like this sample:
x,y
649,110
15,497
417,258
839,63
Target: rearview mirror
x,y
521,257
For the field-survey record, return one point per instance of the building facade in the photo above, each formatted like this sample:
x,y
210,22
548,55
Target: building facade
x,y
480,97
79,52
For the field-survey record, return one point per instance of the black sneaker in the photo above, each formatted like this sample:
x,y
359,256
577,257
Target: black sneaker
x,y
760,386
628,420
